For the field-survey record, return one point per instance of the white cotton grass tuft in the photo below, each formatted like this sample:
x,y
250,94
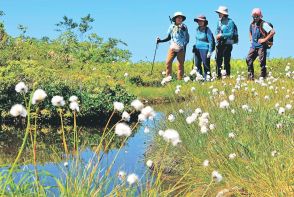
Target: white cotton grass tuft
x,y
58,101
217,176
21,88
73,99
38,96
186,79
232,156
126,116
74,106
160,132
137,104
65,164
274,153
281,110
118,106
166,80
231,97
193,89
171,135
224,104
288,107
148,113
171,118
122,129
149,163
122,175
205,163
232,135
204,129
181,111
126,75
132,178
146,130
18,110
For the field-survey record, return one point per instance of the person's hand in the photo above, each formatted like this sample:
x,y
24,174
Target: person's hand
x,y
208,55
158,40
218,36
261,41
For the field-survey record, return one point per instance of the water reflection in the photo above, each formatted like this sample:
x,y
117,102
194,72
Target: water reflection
x,y
51,156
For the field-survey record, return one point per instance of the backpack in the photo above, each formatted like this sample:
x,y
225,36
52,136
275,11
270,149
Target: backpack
x,y
235,37
213,40
270,42
235,34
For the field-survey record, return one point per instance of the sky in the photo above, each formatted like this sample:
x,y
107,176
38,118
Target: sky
x,y
139,22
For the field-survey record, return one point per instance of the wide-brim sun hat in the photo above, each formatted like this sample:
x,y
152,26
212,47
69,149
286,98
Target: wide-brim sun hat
x,y
176,14
200,18
222,10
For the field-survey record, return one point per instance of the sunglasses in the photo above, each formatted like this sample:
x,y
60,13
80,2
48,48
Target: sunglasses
x,y
255,17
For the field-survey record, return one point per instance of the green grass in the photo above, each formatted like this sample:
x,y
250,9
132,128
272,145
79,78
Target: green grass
x,y
254,171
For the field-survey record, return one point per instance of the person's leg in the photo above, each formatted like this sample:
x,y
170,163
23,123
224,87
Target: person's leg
x,y
169,61
227,58
198,61
252,54
181,60
219,59
206,62
262,60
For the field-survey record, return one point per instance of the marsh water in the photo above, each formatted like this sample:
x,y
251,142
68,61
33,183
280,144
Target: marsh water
x,y
51,156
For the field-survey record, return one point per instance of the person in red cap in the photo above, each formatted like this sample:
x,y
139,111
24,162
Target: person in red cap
x,y
204,47
260,32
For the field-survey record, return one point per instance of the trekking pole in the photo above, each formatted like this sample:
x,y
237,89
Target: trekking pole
x,y
154,58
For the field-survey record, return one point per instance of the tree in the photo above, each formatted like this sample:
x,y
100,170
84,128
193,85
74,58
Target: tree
x,y
84,25
66,25
23,30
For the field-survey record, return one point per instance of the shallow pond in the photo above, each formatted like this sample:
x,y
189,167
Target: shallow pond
x,y
51,157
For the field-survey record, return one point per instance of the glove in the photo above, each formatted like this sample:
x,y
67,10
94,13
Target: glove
x,y
158,40
208,55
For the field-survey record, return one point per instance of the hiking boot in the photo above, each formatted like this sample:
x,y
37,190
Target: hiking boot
x,y
250,77
263,74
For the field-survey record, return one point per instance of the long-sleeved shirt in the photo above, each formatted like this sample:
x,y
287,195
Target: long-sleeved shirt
x,y
204,39
179,34
225,27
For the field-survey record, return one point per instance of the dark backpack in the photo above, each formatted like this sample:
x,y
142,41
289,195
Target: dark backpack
x,y
235,37
235,34
270,42
213,40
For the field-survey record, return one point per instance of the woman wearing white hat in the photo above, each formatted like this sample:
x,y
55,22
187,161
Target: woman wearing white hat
x,y
225,40
179,36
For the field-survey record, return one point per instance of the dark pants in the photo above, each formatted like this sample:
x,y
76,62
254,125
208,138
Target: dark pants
x,y
200,55
252,55
223,54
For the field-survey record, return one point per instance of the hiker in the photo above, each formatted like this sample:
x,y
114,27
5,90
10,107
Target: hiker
x,y
260,34
179,36
204,47
226,36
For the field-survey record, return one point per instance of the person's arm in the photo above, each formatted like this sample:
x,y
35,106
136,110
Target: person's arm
x,y
168,38
271,32
230,32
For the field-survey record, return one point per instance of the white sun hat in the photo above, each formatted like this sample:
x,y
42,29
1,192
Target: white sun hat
x,y
223,10
176,14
